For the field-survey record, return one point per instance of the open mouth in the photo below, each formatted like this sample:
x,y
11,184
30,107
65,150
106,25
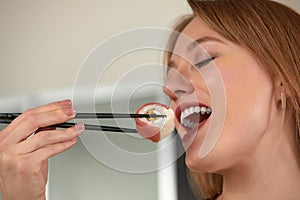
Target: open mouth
x,y
192,116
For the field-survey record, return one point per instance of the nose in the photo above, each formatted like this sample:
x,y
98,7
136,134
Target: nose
x,y
177,84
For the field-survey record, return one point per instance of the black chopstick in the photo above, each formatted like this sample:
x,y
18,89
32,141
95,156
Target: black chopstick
x,y
90,127
93,115
7,118
115,115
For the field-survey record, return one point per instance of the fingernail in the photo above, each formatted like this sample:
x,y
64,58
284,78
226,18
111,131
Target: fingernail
x,y
65,102
69,112
80,128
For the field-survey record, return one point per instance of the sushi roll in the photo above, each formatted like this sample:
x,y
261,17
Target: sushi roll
x,y
155,129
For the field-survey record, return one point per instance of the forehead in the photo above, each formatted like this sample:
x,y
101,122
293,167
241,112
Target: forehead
x,y
197,28
186,45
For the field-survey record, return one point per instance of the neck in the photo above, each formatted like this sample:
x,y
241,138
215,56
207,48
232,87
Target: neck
x,y
272,172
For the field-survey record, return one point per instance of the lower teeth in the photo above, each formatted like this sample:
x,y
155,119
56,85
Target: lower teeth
x,y
189,124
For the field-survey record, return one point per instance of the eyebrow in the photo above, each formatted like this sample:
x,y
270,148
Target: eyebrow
x,y
204,39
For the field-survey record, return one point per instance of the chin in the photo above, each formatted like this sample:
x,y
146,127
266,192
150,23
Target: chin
x,y
217,161
208,164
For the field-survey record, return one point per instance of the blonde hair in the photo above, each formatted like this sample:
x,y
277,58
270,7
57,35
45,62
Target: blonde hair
x,y
271,32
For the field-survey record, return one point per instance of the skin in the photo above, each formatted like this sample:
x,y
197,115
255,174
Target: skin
x,y
256,152
24,159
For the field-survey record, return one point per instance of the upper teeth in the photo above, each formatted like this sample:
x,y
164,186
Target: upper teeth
x,y
191,110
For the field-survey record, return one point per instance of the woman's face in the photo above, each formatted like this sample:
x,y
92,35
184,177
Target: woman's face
x,y
242,109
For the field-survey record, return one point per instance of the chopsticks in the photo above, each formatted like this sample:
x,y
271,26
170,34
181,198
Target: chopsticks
x,y
92,115
114,115
7,118
89,127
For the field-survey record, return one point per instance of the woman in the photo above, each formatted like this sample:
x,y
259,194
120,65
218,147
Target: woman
x,y
255,47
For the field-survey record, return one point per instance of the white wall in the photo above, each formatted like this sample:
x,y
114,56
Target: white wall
x,y
295,4
43,43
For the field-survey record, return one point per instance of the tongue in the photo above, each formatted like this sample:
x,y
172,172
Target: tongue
x,y
197,117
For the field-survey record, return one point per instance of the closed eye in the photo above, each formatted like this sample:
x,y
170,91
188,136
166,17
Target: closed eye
x,y
204,62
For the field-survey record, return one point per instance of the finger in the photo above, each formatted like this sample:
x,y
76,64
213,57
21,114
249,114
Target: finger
x,y
51,106
44,108
27,123
45,138
48,151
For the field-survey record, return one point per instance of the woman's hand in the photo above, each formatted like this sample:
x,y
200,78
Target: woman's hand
x,y
24,157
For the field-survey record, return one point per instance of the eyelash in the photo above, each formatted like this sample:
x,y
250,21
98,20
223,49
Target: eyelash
x,y
204,62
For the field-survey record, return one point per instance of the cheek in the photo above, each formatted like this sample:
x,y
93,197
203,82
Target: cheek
x,y
249,96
